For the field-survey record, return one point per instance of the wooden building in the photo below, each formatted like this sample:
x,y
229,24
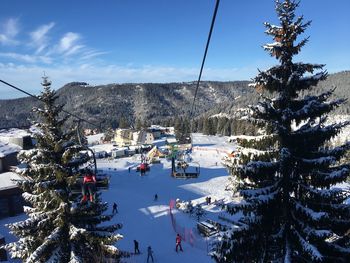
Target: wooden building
x,y
11,200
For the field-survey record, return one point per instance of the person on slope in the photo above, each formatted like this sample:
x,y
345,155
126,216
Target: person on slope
x,y
136,247
178,243
115,208
89,182
149,254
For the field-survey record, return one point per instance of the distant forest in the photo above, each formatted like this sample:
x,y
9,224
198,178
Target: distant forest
x,y
125,105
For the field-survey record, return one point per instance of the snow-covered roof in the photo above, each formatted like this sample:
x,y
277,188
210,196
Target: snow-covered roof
x,y
94,138
8,148
171,140
221,115
6,180
16,133
246,137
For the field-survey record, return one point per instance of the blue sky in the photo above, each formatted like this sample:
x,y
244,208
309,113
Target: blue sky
x,y
121,41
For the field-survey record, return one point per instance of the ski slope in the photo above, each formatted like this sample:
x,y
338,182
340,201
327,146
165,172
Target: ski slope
x,y
149,221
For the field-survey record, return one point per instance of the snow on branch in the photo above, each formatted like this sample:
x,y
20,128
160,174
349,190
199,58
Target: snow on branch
x,y
74,258
28,223
45,184
315,216
18,249
272,46
308,131
308,248
266,198
342,173
112,250
52,238
309,81
322,161
257,166
312,109
336,152
251,193
75,232
317,193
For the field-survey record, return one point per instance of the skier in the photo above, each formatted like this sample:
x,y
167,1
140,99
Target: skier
x,y
143,168
136,247
129,169
88,185
155,197
178,242
115,208
149,254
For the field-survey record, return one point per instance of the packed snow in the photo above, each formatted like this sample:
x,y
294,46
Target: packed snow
x,y
150,222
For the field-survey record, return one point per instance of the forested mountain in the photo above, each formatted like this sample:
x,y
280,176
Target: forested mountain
x,y
152,102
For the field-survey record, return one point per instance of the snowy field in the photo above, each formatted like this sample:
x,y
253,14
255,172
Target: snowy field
x,y
149,221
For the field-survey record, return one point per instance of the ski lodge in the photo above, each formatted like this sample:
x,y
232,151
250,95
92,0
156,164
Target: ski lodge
x,y
11,143
11,201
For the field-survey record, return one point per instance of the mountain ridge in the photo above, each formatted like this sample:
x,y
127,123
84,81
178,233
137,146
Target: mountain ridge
x,y
152,102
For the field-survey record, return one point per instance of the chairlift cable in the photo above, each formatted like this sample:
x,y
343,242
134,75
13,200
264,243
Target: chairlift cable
x,y
99,126
205,55
65,111
37,98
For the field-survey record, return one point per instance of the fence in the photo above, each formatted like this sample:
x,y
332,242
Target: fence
x,y
188,235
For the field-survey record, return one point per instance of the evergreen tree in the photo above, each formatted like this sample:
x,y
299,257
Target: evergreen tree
x,y
221,125
138,124
123,123
109,135
183,130
201,124
59,228
211,128
227,129
207,126
291,210
215,123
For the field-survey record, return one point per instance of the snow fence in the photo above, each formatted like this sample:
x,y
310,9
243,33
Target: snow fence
x,y
188,235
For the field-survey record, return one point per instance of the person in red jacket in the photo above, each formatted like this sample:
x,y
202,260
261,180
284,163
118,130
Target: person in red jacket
x,y
89,182
178,242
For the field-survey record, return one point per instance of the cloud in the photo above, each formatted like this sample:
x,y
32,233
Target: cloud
x,y
42,48
68,44
29,77
39,37
92,53
27,58
9,31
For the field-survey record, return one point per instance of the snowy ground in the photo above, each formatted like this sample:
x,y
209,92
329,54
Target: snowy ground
x,y
149,221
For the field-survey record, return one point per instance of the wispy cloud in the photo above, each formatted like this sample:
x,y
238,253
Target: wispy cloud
x,y
44,47
69,44
40,37
92,53
29,76
27,58
9,31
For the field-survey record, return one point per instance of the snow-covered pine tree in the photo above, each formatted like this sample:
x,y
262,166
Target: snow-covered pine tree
x,y
292,209
58,228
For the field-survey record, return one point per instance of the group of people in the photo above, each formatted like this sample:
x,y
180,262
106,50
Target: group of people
x,y
150,251
208,200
